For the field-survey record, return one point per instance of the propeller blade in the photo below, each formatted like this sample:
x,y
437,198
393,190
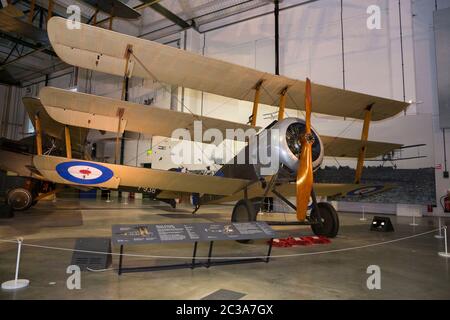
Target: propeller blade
x,y
305,181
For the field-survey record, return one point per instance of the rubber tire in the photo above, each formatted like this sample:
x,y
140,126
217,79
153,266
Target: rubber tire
x,y
330,226
19,204
244,211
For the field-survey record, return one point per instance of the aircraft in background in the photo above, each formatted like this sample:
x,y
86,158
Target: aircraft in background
x,y
397,155
301,148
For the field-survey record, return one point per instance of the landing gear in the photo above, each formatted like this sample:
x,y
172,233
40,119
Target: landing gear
x,y
243,211
328,221
19,199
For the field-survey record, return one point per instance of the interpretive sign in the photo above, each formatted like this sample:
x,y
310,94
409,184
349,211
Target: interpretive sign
x,y
189,232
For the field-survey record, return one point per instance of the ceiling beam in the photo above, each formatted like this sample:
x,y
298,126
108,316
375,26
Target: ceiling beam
x,y
27,44
170,15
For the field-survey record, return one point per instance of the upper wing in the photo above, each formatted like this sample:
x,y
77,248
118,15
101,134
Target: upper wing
x,y
104,50
113,176
102,113
53,128
349,148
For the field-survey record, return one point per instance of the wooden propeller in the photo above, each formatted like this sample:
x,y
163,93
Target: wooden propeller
x,y
304,181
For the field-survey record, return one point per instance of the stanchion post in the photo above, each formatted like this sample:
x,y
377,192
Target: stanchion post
x,y
445,254
363,214
16,283
439,236
414,224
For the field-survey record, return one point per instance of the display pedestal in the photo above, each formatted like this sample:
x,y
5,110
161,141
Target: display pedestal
x,y
15,284
194,264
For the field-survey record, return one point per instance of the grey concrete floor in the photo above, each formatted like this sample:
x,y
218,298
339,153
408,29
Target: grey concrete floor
x,y
410,269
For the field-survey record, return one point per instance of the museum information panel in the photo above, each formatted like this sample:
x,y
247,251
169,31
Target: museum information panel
x,y
124,234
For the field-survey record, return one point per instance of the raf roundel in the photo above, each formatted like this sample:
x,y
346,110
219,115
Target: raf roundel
x,y
82,172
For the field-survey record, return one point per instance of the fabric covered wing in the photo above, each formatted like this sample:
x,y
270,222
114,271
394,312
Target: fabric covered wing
x,y
53,128
112,176
104,50
90,111
349,148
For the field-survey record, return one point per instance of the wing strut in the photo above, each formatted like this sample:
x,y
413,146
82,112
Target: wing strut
x,y
282,104
364,137
68,142
37,125
120,111
256,102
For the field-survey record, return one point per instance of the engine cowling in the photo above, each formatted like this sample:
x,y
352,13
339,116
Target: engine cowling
x,y
291,130
285,143
283,138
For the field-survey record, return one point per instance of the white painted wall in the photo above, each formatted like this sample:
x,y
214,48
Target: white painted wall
x,y
426,79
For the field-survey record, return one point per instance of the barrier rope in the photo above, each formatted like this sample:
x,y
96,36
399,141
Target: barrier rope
x,y
231,258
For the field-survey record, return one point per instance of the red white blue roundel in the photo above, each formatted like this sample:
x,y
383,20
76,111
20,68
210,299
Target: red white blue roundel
x,y
365,190
83,172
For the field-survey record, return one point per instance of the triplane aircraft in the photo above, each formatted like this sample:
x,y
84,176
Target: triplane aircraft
x,y
300,148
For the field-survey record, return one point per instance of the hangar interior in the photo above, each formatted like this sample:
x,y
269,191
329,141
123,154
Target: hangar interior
x,y
328,41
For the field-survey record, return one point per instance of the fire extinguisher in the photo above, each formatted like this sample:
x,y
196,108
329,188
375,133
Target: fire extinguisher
x,y
446,204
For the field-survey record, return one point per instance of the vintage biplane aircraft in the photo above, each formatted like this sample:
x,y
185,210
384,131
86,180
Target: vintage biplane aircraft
x,y
301,148
392,156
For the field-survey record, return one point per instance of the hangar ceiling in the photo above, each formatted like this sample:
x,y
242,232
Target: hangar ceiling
x,y
24,60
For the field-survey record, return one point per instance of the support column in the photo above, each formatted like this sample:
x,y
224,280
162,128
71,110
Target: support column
x,y
364,137
37,125
68,142
256,102
31,14
50,10
282,104
111,18
276,13
94,18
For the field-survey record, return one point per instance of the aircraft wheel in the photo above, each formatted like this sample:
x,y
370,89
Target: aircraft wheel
x,y
330,221
243,211
19,199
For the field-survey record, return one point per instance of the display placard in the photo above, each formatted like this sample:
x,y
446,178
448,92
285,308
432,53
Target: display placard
x,y
189,232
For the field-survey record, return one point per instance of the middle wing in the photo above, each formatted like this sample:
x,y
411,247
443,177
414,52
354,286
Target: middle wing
x,y
102,113
349,148
55,129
